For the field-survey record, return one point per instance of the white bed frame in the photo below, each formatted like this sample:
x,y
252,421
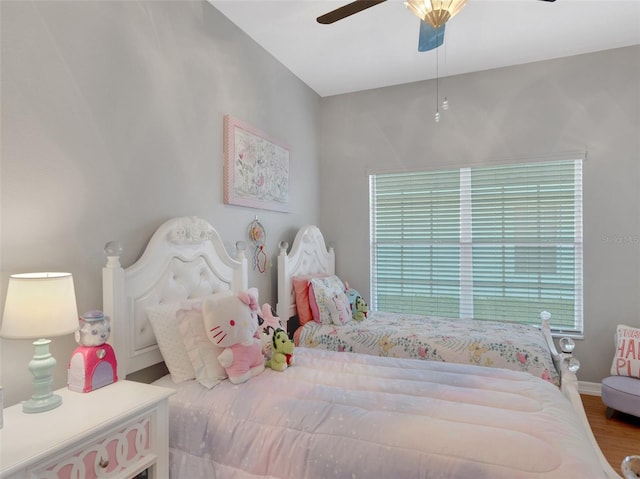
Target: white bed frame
x,y
309,255
185,258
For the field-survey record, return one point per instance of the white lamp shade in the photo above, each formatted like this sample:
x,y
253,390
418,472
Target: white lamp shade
x,y
40,305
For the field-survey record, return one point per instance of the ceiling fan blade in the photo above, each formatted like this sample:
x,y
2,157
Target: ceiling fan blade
x,y
429,37
548,0
347,10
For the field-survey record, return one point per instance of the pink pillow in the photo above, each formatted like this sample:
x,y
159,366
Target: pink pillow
x,y
301,290
313,304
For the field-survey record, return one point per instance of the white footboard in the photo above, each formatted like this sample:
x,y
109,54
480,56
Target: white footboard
x,y
567,366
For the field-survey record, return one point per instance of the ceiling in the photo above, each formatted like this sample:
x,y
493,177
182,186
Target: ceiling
x,y
378,47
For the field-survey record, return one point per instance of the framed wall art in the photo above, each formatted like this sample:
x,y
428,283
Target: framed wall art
x,y
256,168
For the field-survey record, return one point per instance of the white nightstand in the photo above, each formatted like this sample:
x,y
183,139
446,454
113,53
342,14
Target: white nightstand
x,y
116,431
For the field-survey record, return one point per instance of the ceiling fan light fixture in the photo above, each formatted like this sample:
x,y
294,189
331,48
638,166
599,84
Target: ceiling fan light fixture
x,y
435,12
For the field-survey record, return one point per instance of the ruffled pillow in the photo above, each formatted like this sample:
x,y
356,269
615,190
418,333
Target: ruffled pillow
x,y
167,332
203,354
185,348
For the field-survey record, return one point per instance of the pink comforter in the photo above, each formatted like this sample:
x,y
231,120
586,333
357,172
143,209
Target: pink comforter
x,y
333,415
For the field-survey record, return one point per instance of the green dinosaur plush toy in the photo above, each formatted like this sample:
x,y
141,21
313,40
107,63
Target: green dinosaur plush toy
x,y
360,309
282,355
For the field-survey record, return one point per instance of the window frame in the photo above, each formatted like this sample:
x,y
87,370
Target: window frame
x,y
466,241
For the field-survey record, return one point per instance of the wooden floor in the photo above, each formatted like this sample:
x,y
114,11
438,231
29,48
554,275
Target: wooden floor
x,y
618,437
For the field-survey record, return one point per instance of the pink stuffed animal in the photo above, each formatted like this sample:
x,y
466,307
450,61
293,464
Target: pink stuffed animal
x,y
231,322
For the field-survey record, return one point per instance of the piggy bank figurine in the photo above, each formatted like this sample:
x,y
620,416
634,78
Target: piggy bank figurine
x,y
93,364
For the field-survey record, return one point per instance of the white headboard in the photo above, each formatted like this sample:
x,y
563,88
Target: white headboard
x,y
185,258
308,255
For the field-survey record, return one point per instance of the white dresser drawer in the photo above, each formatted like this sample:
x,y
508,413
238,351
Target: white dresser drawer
x,y
114,432
127,448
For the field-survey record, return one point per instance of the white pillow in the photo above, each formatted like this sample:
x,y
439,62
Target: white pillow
x,y
339,309
167,332
324,289
202,353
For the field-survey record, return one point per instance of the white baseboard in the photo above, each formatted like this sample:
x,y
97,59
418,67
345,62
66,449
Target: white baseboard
x,y
592,389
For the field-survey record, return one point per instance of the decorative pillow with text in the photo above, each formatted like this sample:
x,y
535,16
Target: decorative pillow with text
x,y
626,361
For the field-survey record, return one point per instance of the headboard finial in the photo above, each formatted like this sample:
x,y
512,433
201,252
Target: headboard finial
x,y
283,245
241,247
113,250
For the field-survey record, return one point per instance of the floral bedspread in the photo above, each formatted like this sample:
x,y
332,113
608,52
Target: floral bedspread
x,y
513,346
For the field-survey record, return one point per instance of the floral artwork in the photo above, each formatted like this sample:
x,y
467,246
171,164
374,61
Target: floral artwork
x,y
256,168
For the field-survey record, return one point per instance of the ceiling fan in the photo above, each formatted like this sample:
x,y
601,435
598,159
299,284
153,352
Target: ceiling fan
x,y
433,15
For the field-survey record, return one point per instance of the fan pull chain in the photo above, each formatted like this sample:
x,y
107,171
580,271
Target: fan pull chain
x,y
445,102
437,115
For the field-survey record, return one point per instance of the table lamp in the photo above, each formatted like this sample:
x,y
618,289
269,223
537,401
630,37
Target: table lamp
x,y
40,305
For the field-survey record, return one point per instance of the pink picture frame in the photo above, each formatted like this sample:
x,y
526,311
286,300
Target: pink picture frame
x,y
256,168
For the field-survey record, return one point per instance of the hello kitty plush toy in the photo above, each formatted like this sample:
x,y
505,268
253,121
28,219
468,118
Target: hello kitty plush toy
x,y
231,321
93,364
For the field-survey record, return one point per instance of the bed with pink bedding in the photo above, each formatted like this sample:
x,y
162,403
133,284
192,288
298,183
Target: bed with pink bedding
x,y
330,414
309,268
345,416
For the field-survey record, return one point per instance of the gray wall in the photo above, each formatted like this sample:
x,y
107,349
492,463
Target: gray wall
x,y
540,110
112,123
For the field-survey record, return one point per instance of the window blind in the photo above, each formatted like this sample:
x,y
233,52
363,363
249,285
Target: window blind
x,y
499,243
